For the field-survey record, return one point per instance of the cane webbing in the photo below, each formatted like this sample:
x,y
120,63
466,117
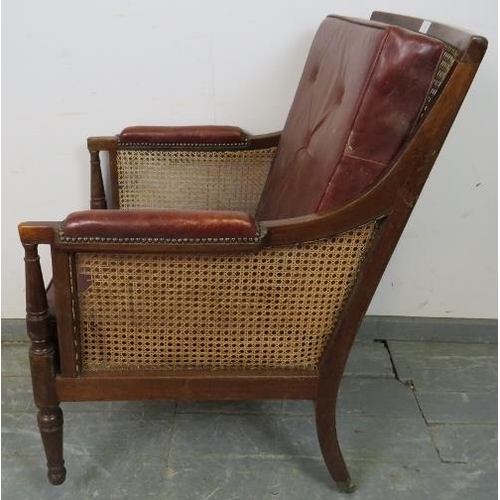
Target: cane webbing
x,y
198,180
447,62
272,309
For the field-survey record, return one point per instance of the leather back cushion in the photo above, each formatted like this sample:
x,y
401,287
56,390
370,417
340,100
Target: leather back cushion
x,y
362,90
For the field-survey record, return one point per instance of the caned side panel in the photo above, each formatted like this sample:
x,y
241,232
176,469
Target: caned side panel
x,y
272,309
199,180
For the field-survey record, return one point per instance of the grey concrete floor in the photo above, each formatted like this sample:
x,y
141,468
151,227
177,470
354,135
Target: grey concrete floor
x,y
417,420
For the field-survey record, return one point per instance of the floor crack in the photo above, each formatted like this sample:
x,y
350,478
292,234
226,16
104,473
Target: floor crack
x,y
391,359
409,383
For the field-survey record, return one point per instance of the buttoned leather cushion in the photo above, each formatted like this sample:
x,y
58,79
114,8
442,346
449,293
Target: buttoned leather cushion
x,y
362,90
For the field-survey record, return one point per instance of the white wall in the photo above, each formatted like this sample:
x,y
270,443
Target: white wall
x,y
74,69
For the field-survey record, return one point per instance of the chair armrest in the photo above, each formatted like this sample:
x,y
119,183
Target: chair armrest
x,y
203,135
136,231
192,136
37,232
186,168
161,224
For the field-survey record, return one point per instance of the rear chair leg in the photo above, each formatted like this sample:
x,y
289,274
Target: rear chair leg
x,y
327,437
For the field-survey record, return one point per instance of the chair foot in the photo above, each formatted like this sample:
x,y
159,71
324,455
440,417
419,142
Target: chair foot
x,y
346,486
56,475
327,437
50,422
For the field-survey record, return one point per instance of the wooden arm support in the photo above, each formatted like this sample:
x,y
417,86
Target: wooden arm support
x,y
43,359
34,233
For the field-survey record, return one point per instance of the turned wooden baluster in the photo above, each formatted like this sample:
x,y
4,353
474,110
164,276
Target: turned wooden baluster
x,y
97,194
42,361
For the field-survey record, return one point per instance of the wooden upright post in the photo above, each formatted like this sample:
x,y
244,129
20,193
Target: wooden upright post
x,y
97,194
42,361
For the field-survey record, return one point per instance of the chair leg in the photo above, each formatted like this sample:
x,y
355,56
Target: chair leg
x,y
43,366
50,423
50,417
327,437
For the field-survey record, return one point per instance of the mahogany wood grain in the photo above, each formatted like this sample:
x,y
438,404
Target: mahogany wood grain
x,y
337,350
472,46
61,262
97,194
114,201
189,385
43,366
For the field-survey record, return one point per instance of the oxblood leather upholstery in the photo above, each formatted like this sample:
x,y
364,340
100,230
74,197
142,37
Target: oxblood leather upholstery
x,y
362,90
205,134
159,224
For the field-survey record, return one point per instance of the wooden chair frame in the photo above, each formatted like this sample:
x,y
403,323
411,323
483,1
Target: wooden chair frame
x,y
390,202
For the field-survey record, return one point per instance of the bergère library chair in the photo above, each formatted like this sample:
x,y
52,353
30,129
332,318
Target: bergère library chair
x,y
217,265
